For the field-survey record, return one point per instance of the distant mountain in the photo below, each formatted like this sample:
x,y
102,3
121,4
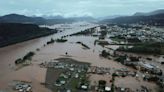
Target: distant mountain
x,y
53,17
49,20
83,18
109,17
69,20
155,18
160,11
139,14
15,18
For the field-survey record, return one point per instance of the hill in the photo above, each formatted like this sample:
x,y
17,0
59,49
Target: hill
x,y
160,11
153,19
49,20
15,18
11,33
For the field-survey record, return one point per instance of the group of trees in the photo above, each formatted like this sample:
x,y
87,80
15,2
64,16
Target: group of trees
x,y
51,41
153,48
28,56
84,45
61,40
104,53
85,32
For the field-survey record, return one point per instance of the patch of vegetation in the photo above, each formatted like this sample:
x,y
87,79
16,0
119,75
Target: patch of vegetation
x,y
51,41
28,56
103,33
37,49
113,80
160,89
104,53
153,48
103,43
83,81
85,32
117,39
84,45
121,59
18,61
61,40
121,38
134,40
102,84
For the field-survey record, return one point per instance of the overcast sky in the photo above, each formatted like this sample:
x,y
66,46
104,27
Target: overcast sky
x,y
67,8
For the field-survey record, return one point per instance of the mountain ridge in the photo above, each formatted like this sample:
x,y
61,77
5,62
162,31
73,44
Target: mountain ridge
x,y
159,11
156,18
17,18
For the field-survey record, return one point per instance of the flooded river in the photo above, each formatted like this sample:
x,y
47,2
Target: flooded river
x,y
34,73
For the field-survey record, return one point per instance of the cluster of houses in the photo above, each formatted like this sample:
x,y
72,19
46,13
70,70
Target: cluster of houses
x,y
65,65
123,72
23,87
102,86
73,71
70,71
108,71
140,32
151,71
143,66
99,70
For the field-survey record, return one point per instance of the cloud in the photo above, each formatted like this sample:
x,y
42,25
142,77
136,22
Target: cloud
x,y
78,14
79,7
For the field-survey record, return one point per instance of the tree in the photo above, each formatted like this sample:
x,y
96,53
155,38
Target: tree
x,y
104,53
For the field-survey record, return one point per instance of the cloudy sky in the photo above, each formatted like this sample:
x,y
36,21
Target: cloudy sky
x,y
67,8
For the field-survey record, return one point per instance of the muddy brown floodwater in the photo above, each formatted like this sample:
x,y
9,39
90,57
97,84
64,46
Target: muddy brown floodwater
x,y
34,73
